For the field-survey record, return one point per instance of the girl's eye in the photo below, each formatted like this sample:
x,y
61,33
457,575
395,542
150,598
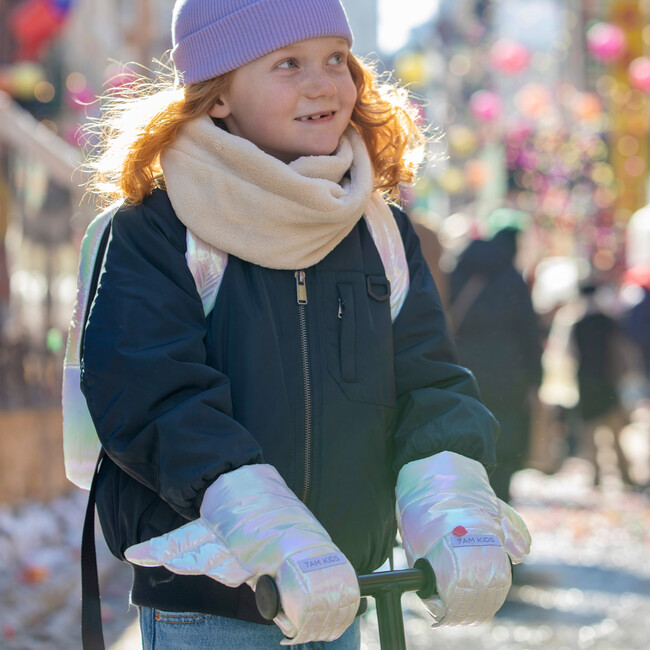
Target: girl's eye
x,y
288,64
337,59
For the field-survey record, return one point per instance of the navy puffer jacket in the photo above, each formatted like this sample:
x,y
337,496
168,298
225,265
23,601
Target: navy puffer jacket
x,y
331,393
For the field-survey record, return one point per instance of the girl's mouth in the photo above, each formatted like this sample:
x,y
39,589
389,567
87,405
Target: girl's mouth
x,y
316,117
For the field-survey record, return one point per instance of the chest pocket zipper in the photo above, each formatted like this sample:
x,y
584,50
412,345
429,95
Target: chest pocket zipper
x,y
347,333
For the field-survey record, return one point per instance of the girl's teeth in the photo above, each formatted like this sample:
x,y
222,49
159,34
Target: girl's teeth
x,y
312,117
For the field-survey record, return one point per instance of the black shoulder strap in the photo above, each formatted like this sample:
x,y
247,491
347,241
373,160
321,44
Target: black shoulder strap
x,y
92,636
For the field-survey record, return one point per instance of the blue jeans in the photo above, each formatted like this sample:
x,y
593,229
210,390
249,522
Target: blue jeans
x,y
191,631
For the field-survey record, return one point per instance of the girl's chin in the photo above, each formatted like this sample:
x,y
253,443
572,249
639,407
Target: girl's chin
x,y
304,147
326,149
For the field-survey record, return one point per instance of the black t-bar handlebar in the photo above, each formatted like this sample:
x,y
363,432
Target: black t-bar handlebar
x,y
386,587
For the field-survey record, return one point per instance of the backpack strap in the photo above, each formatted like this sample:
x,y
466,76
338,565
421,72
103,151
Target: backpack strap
x,y
207,265
92,636
80,443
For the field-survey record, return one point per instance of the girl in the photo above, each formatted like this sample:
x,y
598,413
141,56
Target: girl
x,y
278,426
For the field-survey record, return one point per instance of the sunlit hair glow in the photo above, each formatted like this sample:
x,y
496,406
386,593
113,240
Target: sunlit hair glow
x,y
142,118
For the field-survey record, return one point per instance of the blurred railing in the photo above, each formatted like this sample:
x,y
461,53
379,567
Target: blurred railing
x,y
21,131
32,333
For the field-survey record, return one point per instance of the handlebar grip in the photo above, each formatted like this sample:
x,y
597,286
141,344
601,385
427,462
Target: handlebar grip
x,y
267,598
429,586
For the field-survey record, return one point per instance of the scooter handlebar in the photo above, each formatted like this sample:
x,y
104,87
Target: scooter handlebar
x,y
420,579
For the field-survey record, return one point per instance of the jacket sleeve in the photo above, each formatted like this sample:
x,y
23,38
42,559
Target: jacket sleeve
x,y
162,414
438,403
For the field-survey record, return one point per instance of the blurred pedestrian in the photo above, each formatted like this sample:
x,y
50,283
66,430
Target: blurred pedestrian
x,y
592,338
272,429
498,337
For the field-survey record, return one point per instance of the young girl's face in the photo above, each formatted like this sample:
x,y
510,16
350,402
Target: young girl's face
x,y
295,101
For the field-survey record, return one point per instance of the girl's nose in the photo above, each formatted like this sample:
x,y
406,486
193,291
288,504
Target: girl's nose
x,y
320,84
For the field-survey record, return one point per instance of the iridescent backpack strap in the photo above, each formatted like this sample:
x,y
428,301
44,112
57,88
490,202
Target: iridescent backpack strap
x,y
207,264
80,443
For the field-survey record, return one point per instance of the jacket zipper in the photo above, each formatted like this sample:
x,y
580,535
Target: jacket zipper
x,y
301,290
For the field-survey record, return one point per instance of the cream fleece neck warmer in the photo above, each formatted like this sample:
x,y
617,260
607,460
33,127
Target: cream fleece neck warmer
x,y
252,205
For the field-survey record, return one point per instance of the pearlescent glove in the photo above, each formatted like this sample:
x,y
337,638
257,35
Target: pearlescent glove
x,y
448,513
252,524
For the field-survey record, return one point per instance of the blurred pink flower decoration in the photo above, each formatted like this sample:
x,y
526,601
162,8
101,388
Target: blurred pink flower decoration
x,y
533,100
485,105
606,42
509,57
586,106
639,73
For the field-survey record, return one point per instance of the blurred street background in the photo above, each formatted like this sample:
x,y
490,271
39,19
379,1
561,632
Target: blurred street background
x,y
534,216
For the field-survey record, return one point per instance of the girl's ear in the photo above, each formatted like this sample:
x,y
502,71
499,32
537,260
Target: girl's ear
x,y
219,109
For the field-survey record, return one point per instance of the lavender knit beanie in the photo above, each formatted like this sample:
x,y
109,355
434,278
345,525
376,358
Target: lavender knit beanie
x,y
211,37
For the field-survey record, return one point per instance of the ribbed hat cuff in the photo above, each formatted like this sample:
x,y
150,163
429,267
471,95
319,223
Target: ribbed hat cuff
x,y
254,31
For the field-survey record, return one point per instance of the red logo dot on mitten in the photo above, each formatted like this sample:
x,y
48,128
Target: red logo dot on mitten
x,y
459,531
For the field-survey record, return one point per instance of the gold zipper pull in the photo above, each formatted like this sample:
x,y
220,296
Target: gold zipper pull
x,y
301,287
